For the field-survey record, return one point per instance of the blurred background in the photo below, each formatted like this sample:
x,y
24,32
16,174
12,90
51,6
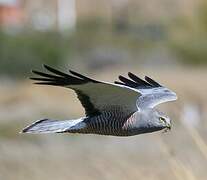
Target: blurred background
x,y
164,39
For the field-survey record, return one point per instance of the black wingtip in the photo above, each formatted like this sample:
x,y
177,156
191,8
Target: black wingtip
x,y
58,78
130,74
34,71
49,68
85,78
136,82
45,66
152,82
120,83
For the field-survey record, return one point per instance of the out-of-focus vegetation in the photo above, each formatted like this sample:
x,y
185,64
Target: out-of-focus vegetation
x,y
20,52
188,37
93,41
96,42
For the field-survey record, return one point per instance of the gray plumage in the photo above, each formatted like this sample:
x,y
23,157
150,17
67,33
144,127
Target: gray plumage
x,y
125,108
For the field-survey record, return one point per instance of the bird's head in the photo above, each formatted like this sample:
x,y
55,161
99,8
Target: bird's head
x,y
161,120
154,120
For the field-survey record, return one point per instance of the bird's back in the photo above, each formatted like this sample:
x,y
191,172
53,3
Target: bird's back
x,y
112,122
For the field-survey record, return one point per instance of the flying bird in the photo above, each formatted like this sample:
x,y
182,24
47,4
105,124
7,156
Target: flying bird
x,y
123,108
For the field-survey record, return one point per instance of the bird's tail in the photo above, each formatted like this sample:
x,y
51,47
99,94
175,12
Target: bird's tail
x,y
55,126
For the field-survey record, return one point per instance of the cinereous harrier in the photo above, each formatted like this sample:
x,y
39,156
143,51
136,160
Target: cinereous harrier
x,y
124,108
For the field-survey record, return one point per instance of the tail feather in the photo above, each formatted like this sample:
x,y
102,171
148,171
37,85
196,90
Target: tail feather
x,y
54,126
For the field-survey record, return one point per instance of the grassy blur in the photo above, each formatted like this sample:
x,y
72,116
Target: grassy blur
x,y
96,42
187,37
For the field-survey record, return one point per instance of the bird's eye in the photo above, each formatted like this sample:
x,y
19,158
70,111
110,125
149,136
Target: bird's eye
x,y
162,119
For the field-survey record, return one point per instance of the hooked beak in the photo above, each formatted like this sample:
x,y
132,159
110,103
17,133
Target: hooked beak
x,y
168,128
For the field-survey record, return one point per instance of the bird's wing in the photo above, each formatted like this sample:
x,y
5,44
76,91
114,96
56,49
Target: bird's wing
x,y
152,93
95,96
